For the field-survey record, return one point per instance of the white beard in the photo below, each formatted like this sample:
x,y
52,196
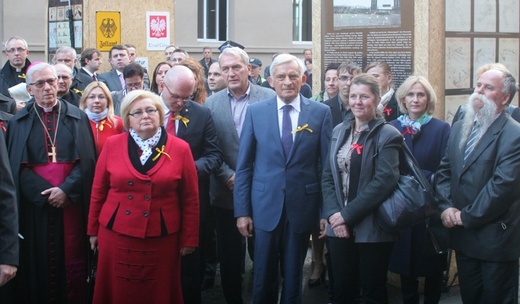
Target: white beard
x,y
485,116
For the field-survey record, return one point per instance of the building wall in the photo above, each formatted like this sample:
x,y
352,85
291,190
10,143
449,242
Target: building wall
x,y
24,18
133,25
263,27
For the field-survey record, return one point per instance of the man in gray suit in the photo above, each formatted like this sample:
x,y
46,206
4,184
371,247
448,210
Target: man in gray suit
x,y
228,108
118,58
477,183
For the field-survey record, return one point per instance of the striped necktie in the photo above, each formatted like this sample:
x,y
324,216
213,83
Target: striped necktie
x,y
472,140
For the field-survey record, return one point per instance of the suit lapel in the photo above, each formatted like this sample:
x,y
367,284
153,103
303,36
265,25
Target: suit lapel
x,y
274,126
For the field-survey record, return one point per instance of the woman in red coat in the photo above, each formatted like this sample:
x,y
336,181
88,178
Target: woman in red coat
x,y
96,101
144,209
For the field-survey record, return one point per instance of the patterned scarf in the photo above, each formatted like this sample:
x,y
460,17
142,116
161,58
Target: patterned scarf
x,y
413,127
146,145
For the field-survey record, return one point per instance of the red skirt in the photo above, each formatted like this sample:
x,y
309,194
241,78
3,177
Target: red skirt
x,y
134,270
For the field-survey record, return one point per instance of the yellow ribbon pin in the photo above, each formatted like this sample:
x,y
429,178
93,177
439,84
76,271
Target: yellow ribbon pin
x,y
161,151
184,120
102,125
301,128
79,92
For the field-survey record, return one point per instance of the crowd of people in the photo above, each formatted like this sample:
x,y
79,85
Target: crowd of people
x,y
151,180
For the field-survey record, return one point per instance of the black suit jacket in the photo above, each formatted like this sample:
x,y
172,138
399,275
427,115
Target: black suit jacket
x,y
7,104
335,110
80,82
200,134
8,211
391,110
486,190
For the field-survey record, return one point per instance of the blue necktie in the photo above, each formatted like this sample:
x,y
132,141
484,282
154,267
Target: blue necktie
x,y
287,139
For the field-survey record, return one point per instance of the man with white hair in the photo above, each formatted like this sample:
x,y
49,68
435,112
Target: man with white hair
x,y
52,156
277,183
477,183
14,69
67,56
65,91
228,108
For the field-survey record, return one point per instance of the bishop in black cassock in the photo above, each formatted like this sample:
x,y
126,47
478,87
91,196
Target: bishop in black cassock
x,y
50,144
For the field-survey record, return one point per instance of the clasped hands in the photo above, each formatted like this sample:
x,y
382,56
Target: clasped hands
x,y
338,225
451,218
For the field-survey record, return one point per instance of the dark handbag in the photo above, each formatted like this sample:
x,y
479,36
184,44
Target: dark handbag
x,y
438,235
411,202
92,272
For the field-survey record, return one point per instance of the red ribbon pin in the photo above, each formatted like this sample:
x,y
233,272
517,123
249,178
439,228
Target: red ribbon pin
x,y
357,147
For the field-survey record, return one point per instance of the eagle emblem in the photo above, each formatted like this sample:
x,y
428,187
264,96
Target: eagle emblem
x,y
108,27
158,26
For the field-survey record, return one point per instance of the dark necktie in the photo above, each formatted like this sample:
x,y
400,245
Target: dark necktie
x,y
287,139
94,77
472,140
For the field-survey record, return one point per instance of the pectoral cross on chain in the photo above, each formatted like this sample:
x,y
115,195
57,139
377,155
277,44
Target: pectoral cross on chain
x,y
52,154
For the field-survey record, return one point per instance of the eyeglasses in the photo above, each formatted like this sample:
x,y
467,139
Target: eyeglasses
x,y
345,78
18,50
136,85
176,97
40,83
140,113
64,60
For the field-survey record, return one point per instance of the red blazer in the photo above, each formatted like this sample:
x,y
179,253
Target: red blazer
x,y
104,130
137,202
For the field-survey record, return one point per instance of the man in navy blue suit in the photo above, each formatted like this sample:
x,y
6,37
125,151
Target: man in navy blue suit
x,y
277,184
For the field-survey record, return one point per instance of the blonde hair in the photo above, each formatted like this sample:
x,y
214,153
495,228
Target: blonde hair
x,y
135,96
405,88
110,104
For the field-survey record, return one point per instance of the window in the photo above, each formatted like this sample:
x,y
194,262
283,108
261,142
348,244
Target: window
x,y
212,20
302,20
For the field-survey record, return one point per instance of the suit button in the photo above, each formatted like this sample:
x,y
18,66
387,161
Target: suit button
x,y
130,183
145,214
127,212
146,197
130,196
148,183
